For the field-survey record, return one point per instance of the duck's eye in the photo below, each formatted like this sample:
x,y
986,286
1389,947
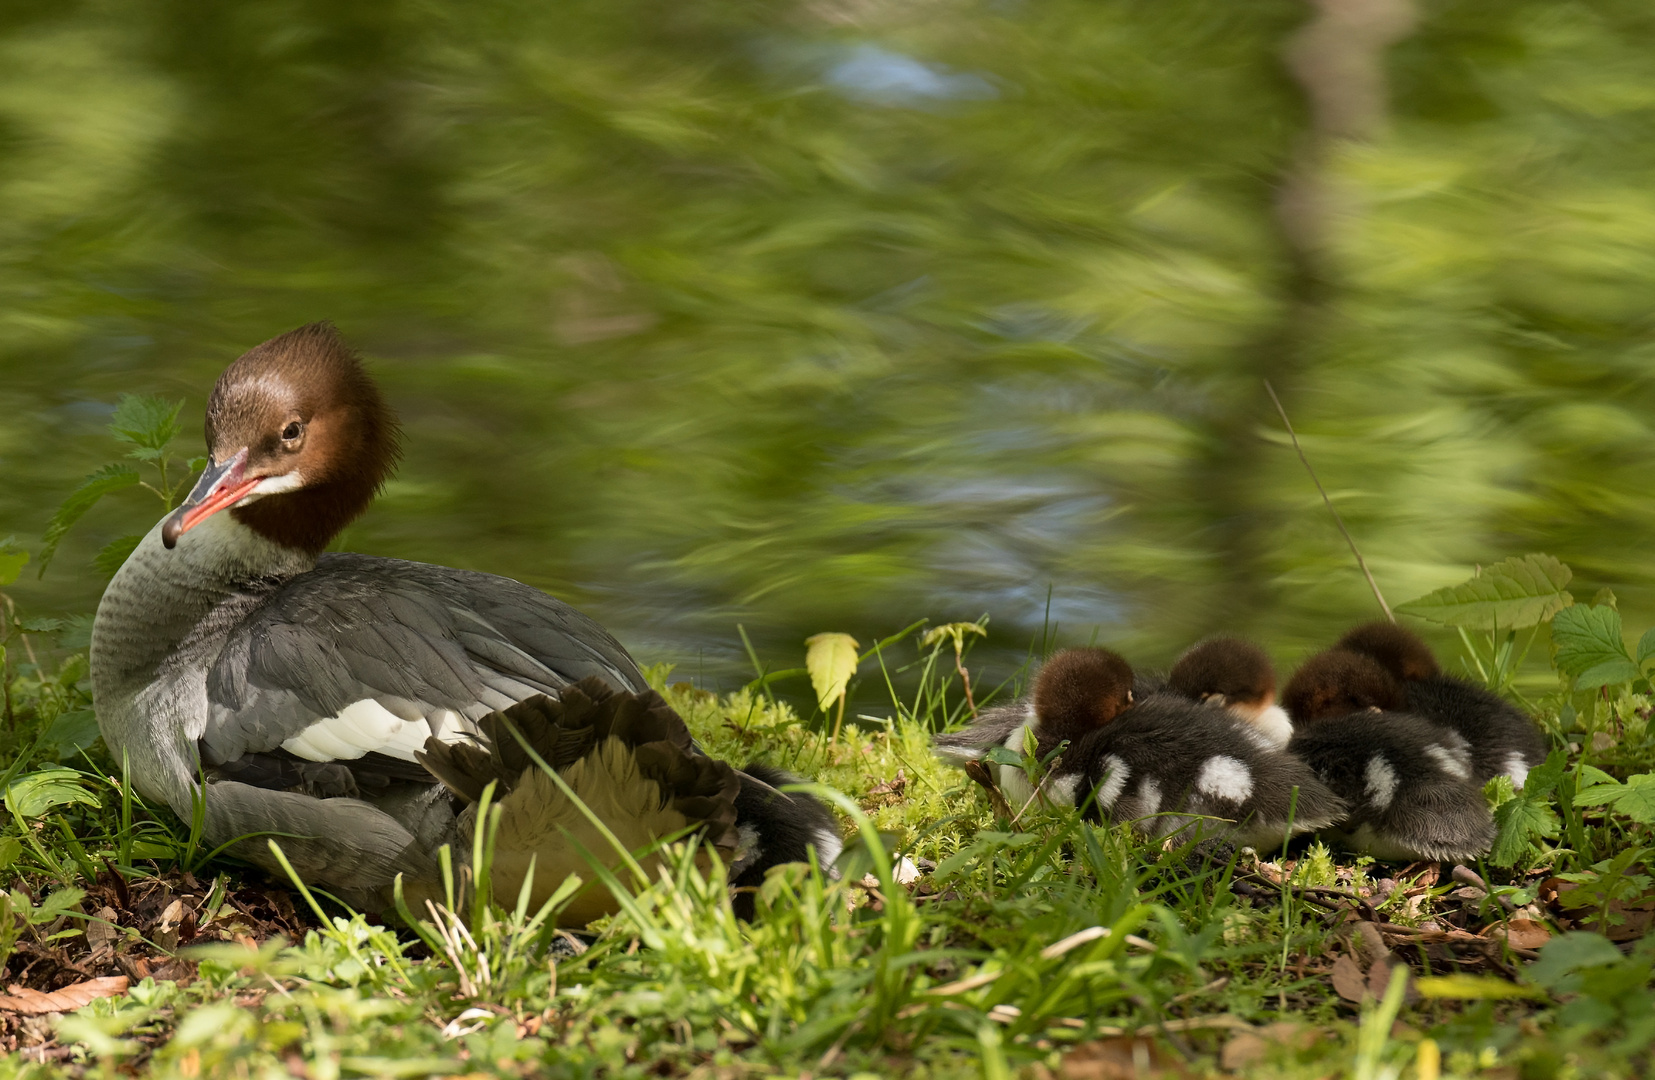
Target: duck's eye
x,y
291,431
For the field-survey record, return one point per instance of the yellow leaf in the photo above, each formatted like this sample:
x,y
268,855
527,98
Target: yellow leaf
x,y
831,660
1470,988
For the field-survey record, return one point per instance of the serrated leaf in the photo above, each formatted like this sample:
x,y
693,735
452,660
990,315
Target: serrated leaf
x,y
33,795
145,421
1646,646
1635,798
831,661
1499,790
1546,775
1510,595
1523,821
1609,673
1588,640
12,560
72,732
115,553
77,632
40,625
83,498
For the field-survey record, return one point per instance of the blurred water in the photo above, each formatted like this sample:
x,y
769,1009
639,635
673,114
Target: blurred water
x,y
835,314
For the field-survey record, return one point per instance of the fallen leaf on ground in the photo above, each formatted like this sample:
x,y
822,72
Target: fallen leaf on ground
x,y
1521,933
1248,1048
1348,981
70,998
1123,1058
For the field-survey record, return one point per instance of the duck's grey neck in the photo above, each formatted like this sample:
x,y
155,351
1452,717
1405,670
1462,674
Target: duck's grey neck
x,y
158,598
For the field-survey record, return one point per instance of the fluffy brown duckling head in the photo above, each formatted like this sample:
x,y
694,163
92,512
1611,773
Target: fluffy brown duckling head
x,y
1398,650
1338,683
1080,690
1237,675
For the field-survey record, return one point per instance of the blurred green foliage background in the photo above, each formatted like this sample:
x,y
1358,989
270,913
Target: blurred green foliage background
x,y
826,314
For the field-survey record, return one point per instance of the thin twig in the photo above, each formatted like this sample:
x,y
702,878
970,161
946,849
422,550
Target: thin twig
x,y
1337,520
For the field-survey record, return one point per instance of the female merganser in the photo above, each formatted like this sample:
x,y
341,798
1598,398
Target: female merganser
x,y
1503,740
1407,781
1237,675
304,688
1164,762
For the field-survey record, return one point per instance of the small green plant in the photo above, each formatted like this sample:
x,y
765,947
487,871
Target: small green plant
x,y
148,425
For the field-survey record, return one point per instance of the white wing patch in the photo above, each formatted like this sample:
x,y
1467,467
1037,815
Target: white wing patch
x,y
1381,781
1517,767
367,727
1114,782
1225,777
1447,761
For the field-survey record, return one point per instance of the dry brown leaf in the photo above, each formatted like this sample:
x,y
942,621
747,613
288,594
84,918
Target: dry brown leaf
x,y
1248,1048
24,1000
1348,982
1522,934
100,936
1123,1058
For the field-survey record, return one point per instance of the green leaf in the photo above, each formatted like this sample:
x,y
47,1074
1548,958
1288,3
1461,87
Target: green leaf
x,y
1587,641
1546,775
1522,821
1499,790
10,848
1567,953
1635,798
12,560
1510,595
77,632
40,625
114,554
1646,646
72,732
1609,673
94,487
831,661
145,421
1591,774
33,795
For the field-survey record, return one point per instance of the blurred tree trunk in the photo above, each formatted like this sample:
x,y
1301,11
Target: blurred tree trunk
x,y
1338,59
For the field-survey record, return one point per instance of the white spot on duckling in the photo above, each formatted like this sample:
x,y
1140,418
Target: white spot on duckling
x,y
1517,767
1448,762
1116,772
1062,790
1225,777
1381,781
1149,796
1014,781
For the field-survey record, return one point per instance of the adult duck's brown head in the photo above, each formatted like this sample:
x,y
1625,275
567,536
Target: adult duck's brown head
x,y
299,441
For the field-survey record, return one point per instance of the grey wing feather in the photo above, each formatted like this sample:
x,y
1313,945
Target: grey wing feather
x,y
411,636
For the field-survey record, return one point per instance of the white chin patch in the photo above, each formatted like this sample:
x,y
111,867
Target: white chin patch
x,y
274,485
367,727
1273,723
1225,777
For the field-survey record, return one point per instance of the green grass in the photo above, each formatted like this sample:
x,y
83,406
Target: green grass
x,y
1020,946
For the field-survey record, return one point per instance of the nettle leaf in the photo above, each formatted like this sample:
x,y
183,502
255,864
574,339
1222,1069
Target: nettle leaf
x,y
1510,595
1523,822
1546,775
40,625
72,732
115,553
12,560
145,421
1586,643
1646,646
1635,798
94,487
77,632
831,661
33,795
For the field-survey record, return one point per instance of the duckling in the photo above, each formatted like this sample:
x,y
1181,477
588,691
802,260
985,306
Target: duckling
x,y
1502,739
1077,691
1236,675
1407,781
1167,763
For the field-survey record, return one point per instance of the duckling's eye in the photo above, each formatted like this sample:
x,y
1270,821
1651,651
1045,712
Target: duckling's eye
x,y
291,431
